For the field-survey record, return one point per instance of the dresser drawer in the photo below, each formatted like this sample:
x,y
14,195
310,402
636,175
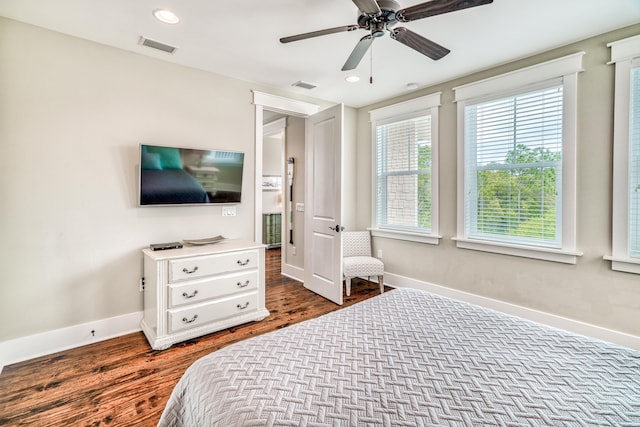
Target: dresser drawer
x,y
193,316
212,287
196,267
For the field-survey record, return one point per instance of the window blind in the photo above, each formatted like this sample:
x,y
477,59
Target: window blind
x,y
403,168
513,161
634,166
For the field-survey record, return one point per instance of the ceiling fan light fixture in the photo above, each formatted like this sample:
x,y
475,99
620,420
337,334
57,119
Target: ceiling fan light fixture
x,y
378,17
166,16
352,78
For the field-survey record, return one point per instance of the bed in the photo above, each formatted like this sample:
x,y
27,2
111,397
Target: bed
x,y
411,358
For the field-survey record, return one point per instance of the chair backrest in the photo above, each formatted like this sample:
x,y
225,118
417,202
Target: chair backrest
x,y
356,243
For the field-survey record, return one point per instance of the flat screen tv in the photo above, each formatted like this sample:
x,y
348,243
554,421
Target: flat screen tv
x,y
172,176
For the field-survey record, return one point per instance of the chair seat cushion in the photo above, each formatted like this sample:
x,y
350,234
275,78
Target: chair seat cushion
x,y
356,266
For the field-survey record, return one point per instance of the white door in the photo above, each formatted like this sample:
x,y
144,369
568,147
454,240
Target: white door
x,y
323,249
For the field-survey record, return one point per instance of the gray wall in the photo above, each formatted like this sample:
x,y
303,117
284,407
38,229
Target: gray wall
x,y
589,291
72,115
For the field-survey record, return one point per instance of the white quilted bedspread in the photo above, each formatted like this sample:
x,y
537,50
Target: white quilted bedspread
x,y
411,358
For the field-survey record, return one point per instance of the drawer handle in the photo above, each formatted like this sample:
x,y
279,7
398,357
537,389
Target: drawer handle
x,y
242,264
243,285
193,319
243,306
186,295
187,271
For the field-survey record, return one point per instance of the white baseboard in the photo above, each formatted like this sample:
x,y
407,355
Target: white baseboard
x,y
295,273
29,347
32,346
593,331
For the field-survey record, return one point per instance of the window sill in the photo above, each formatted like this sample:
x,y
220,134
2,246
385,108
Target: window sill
x,y
627,265
555,255
431,239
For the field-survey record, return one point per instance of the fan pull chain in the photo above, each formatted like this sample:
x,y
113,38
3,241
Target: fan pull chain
x,y
371,64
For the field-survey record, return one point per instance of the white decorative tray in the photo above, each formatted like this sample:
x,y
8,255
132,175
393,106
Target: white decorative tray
x,y
200,242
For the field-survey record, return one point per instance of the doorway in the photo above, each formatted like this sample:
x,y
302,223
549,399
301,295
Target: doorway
x,y
269,109
322,191
273,180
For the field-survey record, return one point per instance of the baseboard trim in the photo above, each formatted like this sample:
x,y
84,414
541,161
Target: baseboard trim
x,y
293,272
32,346
593,331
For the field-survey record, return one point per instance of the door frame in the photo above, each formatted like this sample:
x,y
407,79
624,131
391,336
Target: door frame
x,y
290,107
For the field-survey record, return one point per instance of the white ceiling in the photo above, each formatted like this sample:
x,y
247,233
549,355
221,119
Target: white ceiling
x,y
240,38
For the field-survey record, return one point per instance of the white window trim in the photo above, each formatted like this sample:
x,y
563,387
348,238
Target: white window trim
x,y
431,103
405,235
566,69
625,55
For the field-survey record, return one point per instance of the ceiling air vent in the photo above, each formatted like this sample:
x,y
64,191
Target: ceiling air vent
x,y
156,45
304,85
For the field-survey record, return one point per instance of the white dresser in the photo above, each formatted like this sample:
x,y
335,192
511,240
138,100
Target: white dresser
x,y
197,290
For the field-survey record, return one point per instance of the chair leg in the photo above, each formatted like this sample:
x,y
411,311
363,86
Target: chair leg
x,y
381,284
348,282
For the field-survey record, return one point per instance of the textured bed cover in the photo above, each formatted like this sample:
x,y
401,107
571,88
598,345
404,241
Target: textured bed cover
x,y
411,358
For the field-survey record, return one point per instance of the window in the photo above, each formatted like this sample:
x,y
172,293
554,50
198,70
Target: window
x,y
405,170
625,54
517,162
634,165
403,174
513,168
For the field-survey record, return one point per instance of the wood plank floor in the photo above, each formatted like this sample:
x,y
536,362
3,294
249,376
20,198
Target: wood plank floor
x,y
123,382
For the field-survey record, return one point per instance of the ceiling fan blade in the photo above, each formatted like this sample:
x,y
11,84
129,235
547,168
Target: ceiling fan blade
x,y
357,53
370,7
319,33
415,41
436,7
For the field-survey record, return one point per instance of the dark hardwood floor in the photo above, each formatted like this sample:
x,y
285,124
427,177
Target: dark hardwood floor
x,y
123,382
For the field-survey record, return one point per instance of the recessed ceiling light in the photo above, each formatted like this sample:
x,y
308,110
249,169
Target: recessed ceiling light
x,y
352,79
412,86
166,16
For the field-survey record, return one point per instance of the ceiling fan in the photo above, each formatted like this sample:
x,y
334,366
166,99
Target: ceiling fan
x,y
378,16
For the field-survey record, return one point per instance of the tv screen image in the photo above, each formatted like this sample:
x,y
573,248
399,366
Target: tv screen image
x,y
189,176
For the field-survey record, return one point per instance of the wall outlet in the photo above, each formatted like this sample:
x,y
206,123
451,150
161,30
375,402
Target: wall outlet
x,y
293,250
142,284
380,253
228,211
